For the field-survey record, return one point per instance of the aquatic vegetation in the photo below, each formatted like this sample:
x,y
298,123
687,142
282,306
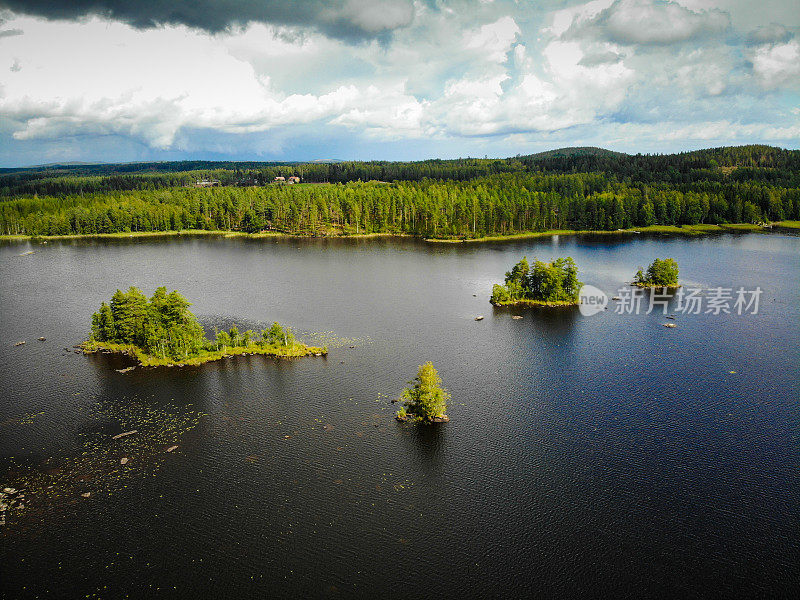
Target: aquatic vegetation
x,y
102,465
329,339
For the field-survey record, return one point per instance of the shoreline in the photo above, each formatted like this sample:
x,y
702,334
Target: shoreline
x,y
298,350
688,230
529,302
652,285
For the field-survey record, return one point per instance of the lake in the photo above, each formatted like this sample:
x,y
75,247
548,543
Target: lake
x,y
586,456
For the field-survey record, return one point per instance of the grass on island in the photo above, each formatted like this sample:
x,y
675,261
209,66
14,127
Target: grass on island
x,y
648,285
295,350
788,224
529,302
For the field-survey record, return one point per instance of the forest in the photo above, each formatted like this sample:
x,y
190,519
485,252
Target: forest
x,y
577,189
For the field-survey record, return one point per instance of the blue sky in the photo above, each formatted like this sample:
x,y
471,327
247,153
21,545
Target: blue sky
x,y
111,80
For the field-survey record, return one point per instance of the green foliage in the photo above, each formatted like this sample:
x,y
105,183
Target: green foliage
x,y
463,198
660,273
500,294
165,328
278,336
426,400
545,282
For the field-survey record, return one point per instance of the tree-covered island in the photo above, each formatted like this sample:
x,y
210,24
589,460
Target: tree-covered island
x,y
426,400
660,273
162,331
544,284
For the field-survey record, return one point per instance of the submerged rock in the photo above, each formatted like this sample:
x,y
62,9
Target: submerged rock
x,y
20,343
126,370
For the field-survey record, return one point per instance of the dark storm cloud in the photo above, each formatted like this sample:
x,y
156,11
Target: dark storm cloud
x,y
345,19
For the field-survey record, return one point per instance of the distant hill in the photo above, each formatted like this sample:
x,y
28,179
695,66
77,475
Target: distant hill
x,y
74,163
751,163
574,151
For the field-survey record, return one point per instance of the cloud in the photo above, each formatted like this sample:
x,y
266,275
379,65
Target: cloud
x,y
200,86
649,22
776,65
345,19
493,40
457,77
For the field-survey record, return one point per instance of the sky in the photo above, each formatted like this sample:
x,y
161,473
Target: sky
x,y
140,80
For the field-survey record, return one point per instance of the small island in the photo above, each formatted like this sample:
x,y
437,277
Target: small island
x,y
426,400
546,284
662,273
162,331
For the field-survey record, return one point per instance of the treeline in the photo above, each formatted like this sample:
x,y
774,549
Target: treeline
x,y
763,165
61,181
741,164
495,204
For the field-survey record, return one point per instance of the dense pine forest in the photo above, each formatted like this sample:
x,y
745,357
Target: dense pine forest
x,y
578,188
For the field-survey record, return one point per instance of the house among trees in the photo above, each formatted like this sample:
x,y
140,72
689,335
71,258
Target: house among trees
x,y
207,183
280,179
294,179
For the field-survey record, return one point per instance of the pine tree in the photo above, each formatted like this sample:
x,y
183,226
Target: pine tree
x,y
426,401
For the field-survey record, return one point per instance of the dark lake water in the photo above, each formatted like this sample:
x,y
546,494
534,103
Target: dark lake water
x,y
586,457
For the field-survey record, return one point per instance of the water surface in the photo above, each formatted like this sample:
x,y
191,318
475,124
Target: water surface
x,y
601,456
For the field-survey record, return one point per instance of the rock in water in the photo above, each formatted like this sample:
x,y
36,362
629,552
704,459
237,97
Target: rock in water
x,y
126,434
123,461
172,448
670,325
479,318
